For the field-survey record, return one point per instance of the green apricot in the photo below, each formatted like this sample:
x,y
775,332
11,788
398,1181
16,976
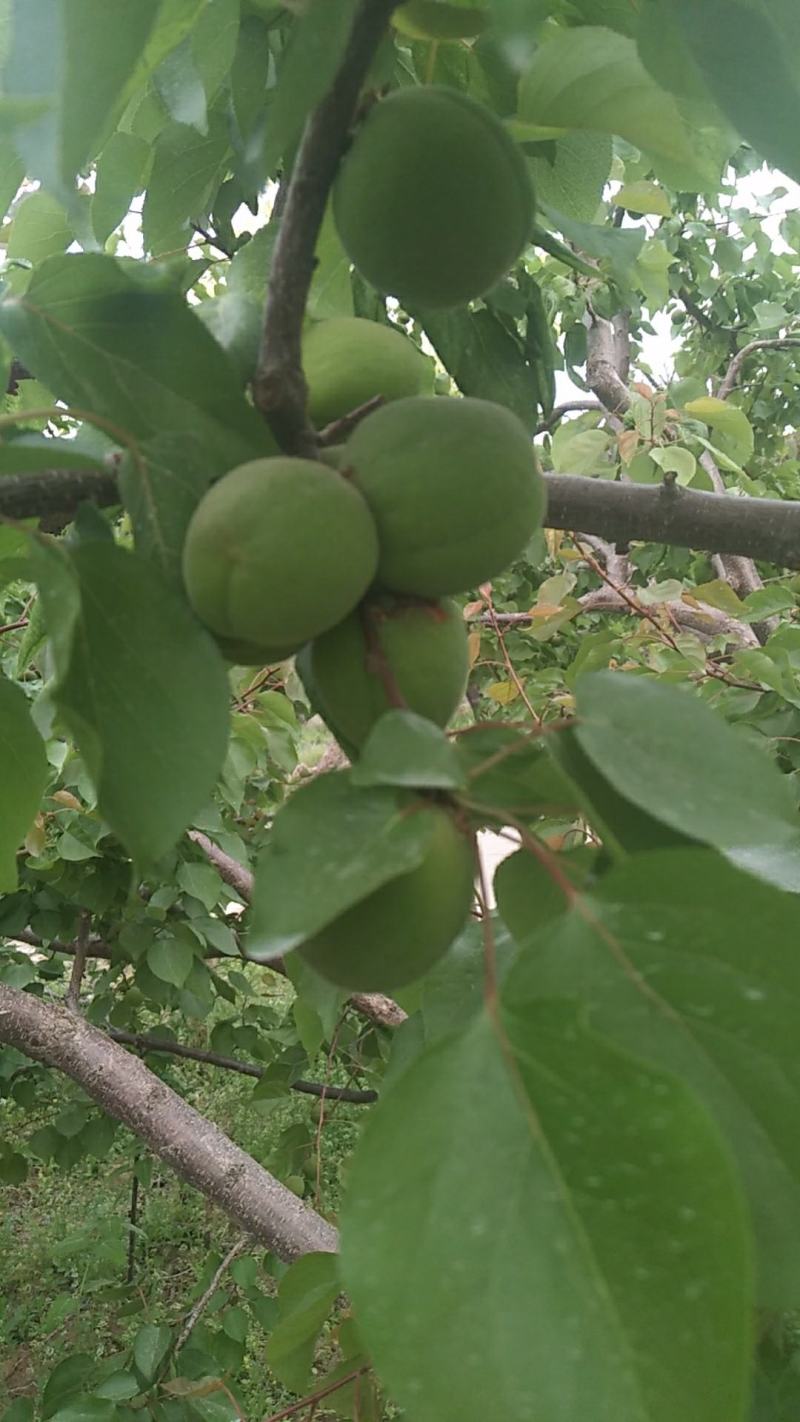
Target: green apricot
x,y
348,361
423,646
433,202
278,551
249,654
438,20
454,490
398,932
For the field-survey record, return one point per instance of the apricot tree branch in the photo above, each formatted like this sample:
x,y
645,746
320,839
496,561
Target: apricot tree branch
x,y
768,529
279,387
73,994
776,343
143,1042
195,1148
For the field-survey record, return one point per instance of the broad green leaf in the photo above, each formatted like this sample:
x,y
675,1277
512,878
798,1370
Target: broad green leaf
x,y
662,954
93,48
593,78
68,1378
644,197
141,686
116,339
405,749
453,991
652,266
202,881
331,291
312,56
615,1284
749,52
728,421
25,453
618,248
306,1296
118,1387
674,459
680,762
331,845
213,41
187,169
24,774
581,451
514,773
150,1349
573,181
120,174
767,602
161,486
12,172
720,594
171,960
39,229
483,358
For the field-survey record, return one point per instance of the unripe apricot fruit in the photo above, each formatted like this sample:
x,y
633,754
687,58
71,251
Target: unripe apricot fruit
x,y
348,361
276,552
454,490
433,202
398,932
421,647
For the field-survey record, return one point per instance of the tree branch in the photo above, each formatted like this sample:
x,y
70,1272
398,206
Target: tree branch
x,y
777,343
279,387
73,994
195,1148
756,528
143,1042
199,1308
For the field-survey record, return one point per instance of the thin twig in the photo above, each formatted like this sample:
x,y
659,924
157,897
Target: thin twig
x,y
205,1298
314,1397
279,388
339,430
14,626
143,1042
73,994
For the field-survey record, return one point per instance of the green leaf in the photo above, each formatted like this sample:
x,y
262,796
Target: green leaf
x,y
115,338
24,775
621,1259
39,229
513,772
620,249
728,420
581,451
748,53
306,1295
171,960
312,56
679,761
213,43
313,868
187,169
93,47
644,197
67,1380
150,1347
592,78
674,459
405,749
120,174
202,881
161,486
483,358
573,180
31,453
661,952
142,688
118,1387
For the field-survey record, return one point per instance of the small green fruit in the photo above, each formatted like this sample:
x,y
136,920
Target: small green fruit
x,y
433,202
398,932
348,361
423,647
453,488
248,654
438,20
278,551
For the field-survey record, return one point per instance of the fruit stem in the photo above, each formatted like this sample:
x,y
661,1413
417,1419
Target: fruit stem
x,y
377,660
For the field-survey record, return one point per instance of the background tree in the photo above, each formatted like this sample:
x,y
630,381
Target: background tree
x,y
578,1183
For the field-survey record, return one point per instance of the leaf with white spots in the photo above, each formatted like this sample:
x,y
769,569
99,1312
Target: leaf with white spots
x,y
572,1235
